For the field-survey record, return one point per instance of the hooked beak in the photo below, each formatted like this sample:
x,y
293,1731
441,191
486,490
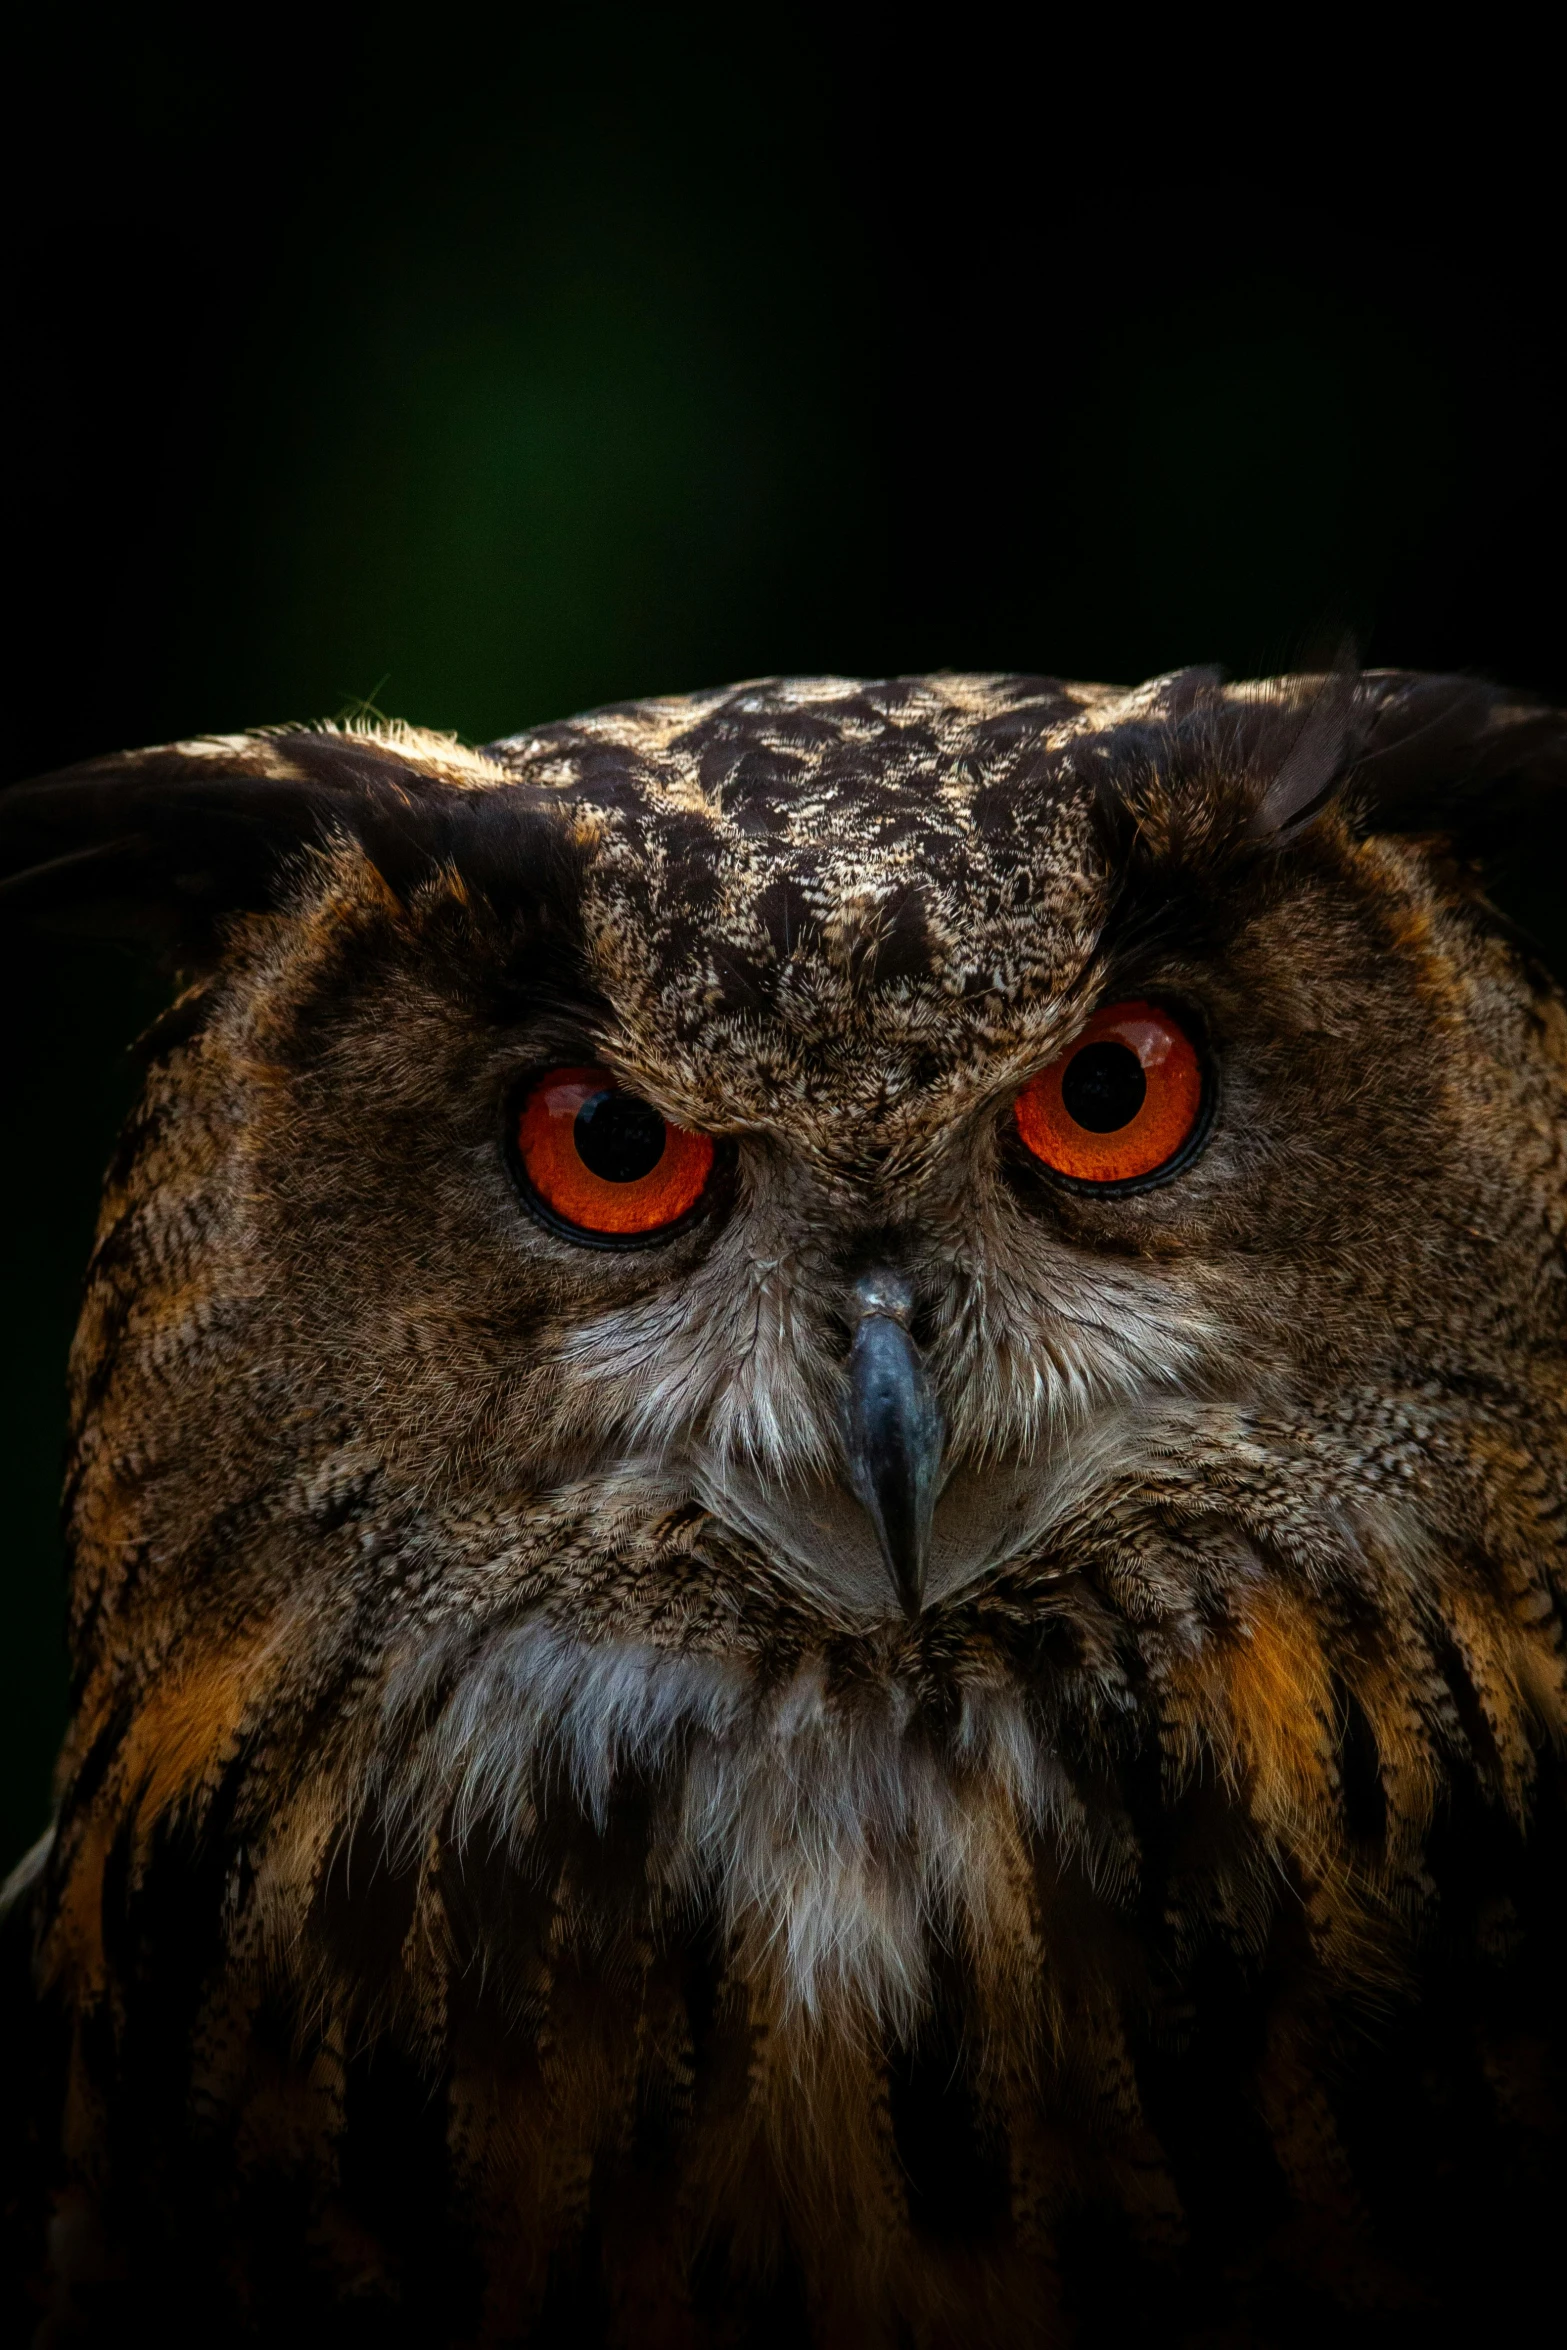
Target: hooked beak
x,y
895,1433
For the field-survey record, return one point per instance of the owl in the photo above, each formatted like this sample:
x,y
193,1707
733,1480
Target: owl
x,y
817,1511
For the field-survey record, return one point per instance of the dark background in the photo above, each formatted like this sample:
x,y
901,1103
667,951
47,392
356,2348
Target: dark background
x,y
482,374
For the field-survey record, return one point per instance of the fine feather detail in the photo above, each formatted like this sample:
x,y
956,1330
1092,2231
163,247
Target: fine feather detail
x,y
517,1871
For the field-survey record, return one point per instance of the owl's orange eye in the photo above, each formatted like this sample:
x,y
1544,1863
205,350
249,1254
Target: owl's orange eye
x,y
1123,1101
604,1161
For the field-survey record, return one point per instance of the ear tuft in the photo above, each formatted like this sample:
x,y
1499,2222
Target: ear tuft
x,y
158,847
1446,757
1455,758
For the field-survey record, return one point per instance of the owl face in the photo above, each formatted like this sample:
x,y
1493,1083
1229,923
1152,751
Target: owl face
x,y
862,1134
868,1257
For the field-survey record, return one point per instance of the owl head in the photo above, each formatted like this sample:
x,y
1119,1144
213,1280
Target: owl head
x,y
884,1280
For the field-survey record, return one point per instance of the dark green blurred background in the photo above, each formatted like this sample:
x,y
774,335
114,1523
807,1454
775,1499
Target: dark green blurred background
x,y
483,375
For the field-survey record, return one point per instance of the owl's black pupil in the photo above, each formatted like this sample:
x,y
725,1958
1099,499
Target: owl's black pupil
x,y
1103,1087
618,1137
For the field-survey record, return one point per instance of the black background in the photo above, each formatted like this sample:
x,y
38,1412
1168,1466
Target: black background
x,y
479,371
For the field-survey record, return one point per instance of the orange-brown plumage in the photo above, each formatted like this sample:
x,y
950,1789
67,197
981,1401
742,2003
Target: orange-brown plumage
x,y
522,1870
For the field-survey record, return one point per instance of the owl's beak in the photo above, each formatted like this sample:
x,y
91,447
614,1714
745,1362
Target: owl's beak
x,y
895,1432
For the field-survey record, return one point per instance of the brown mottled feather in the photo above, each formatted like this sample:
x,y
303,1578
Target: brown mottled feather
x,y
501,1890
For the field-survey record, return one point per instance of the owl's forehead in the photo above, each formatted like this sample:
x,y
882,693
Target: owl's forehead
x,y
825,888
